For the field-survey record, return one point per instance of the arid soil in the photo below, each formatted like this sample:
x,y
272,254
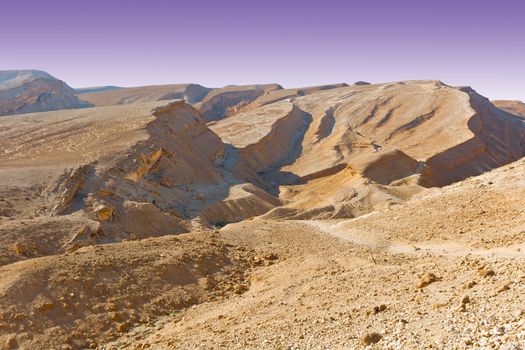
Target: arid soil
x,y
442,271
386,216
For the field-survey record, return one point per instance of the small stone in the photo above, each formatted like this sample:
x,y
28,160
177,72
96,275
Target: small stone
x,y
239,288
45,306
465,300
471,284
486,272
426,279
378,309
271,256
115,316
498,331
371,338
122,327
502,288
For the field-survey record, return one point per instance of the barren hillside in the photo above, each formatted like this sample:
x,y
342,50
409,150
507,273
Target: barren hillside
x,y
227,100
345,217
342,152
26,91
438,272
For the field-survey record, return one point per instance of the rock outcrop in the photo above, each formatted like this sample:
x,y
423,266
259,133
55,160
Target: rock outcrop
x,y
219,103
27,91
498,139
137,170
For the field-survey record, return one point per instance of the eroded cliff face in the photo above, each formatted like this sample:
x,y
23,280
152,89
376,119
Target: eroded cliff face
x,y
34,91
155,169
95,205
133,171
228,100
498,139
159,184
397,138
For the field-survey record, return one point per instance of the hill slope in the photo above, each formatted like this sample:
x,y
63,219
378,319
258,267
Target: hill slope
x,y
27,91
110,217
343,151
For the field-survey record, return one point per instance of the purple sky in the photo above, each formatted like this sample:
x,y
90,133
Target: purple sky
x,y
296,43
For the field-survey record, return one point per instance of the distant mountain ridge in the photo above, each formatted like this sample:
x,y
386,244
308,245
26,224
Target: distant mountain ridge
x,y
96,89
29,91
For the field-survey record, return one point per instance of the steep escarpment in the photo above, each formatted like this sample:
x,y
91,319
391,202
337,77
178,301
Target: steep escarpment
x,y
280,145
117,173
499,138
283,94
395,137
221,102
162,182
384,168
30,91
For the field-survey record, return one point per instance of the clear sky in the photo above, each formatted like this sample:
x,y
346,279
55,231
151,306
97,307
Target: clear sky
x,y
480,43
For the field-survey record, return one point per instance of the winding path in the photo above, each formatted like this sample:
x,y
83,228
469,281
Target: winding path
x,y
364,238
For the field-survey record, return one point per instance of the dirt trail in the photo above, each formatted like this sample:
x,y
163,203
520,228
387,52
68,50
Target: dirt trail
x,y
367,239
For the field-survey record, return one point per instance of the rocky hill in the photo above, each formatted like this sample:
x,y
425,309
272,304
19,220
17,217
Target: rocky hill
x,y
164,224
27,91
343,151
